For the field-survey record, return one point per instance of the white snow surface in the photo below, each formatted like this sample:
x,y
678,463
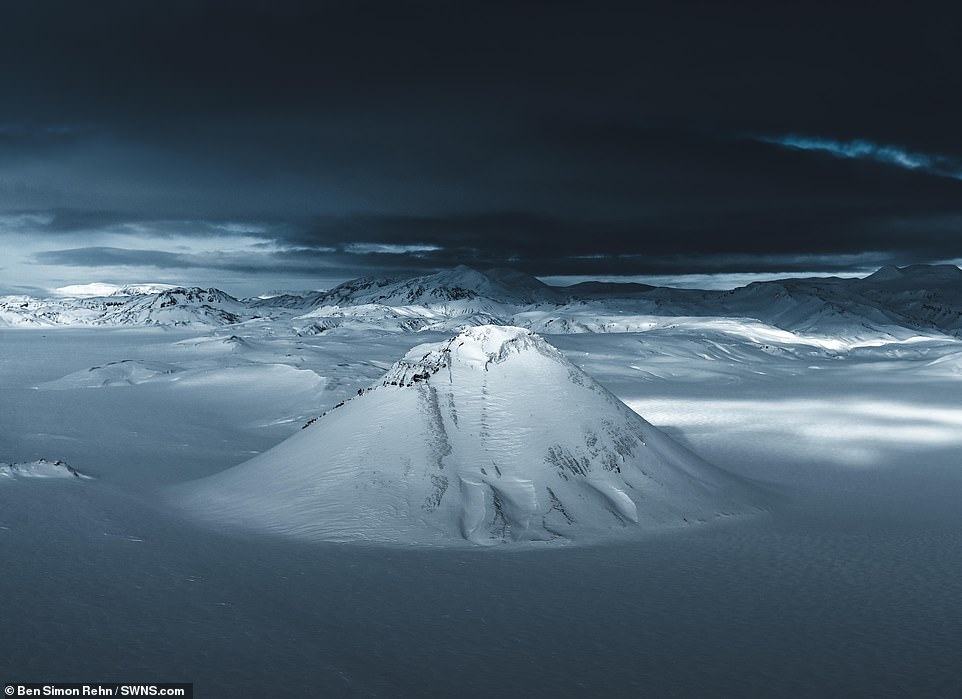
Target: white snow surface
x,y
489,437
95,289
84,290
857,446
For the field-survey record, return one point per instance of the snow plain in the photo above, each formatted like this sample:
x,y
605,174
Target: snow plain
x,y
849,583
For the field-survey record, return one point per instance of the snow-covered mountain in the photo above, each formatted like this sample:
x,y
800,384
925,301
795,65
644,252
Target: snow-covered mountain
x,y
927,295
33,312
458,288
893,303
490,437
809,306
40,469
448,300
451,298
917,297
276,301
178,306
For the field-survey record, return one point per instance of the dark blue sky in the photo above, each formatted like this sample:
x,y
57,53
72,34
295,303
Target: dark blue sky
x,y
274,144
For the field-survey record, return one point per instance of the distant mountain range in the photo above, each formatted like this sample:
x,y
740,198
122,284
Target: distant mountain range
x,y
176,306
895,302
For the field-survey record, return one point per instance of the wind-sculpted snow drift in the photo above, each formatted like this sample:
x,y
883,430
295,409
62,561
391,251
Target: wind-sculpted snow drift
x,y
492,436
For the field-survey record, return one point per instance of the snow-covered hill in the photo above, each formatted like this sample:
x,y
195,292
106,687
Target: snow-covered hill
x,y
489,437
40,469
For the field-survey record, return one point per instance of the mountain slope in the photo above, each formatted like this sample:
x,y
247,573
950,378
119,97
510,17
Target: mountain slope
x,y
893,303
926,296
178,306
460,285
492,436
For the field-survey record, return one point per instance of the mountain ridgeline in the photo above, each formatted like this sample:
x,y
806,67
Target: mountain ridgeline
x,y
893,302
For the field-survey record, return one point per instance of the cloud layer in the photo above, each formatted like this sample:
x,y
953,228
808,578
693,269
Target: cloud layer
x,y
866,150
298,143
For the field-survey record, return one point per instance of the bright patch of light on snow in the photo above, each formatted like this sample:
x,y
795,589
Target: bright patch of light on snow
x,y
95,289
848,431
594,318
91,289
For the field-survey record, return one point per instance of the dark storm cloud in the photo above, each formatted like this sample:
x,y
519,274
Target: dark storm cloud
x,y
562,138
298,261
100,257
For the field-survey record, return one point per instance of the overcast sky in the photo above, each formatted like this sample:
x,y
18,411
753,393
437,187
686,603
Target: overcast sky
x,y
273,145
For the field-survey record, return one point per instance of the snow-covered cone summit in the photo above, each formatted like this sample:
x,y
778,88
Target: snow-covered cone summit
x,y
476,347
491,436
